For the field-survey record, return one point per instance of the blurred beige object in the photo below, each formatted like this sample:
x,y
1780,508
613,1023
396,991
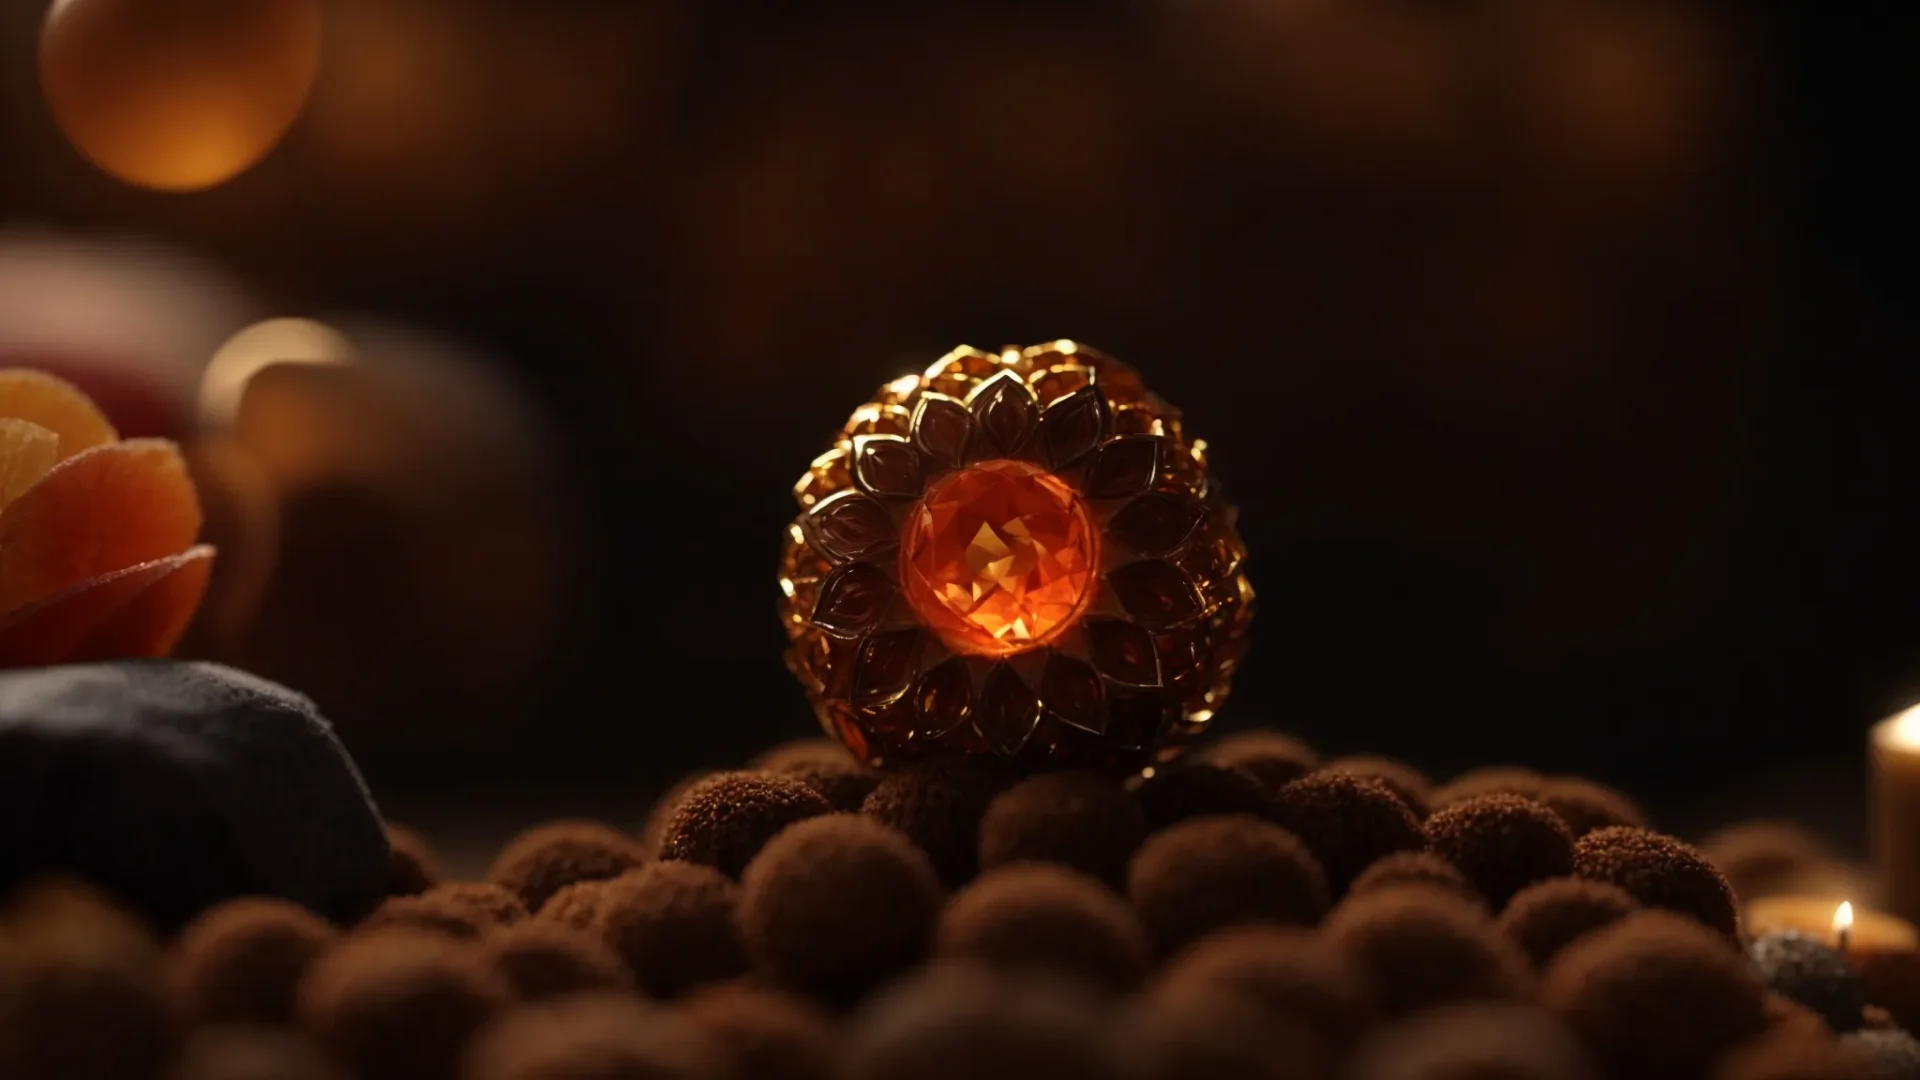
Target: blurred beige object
x,y
178,96
1893,814
1770,858
135,314
410,536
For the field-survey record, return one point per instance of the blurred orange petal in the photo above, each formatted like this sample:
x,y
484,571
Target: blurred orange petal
x,y
57,405
27,451
104,510
138,612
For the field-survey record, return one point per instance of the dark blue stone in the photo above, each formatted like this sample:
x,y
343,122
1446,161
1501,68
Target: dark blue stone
x,y
175,785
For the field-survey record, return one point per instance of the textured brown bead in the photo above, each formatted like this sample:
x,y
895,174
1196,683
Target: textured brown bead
x,y
954,1023
1402,779
595,1037
1415,868
768,1034
939,807
1046,917
1080,820
673,924
836,904
1290,973
724,820
241,962
826,767
1502,843
1421,947
1211,872
401,1004
542,960
461,909
1185,790
1659,871
1547,917
411,866
1586,805
1347,822
547,858
1656,995
1274,758
1475,1041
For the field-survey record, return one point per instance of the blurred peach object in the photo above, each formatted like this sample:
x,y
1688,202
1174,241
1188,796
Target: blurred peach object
x,y
97,552
178,96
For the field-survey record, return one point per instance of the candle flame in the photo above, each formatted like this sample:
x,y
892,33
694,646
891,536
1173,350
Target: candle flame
x,y
1843,918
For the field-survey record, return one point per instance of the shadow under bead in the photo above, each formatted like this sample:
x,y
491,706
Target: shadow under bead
x,y
939,807
1074,819
952,1022
462,909
1481,1040
768,1034
1347,822
1045,917
1274,758
1420,947
401,1004
547,858
674,924
543,960
1548,916
724,820
1661,872
595,1037
1212,872
1586,805
837,904
1415,868
826,767
241,962
411,866
1287,972
1184,790
1656,995
1402,779
1502,843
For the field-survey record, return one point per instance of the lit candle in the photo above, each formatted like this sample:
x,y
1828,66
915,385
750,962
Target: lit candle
x,y
1894,811
1839,923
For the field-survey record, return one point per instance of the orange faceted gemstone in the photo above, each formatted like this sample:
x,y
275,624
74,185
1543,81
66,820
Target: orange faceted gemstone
x,y
999,557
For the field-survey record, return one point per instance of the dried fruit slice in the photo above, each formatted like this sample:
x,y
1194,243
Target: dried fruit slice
x,y
106,509
27,451
57,405
137,612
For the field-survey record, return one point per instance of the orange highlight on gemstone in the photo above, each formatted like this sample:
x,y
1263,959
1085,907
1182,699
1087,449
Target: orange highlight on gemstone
x,y
999,557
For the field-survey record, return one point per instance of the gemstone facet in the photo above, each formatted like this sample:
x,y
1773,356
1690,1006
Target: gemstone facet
x,y
999,557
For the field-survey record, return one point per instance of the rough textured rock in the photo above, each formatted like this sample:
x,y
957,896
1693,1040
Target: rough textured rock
x,y
178,785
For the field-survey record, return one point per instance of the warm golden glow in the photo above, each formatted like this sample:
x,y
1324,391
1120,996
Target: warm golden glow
x,y
258,347
1843,920
178,97
1901,732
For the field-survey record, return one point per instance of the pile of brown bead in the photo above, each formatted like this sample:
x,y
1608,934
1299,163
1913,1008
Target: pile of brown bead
x,y
1250,912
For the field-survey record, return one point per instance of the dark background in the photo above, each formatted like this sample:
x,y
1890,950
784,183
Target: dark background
x,y
1560,354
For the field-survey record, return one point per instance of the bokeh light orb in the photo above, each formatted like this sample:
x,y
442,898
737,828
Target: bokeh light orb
x,y
178,95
